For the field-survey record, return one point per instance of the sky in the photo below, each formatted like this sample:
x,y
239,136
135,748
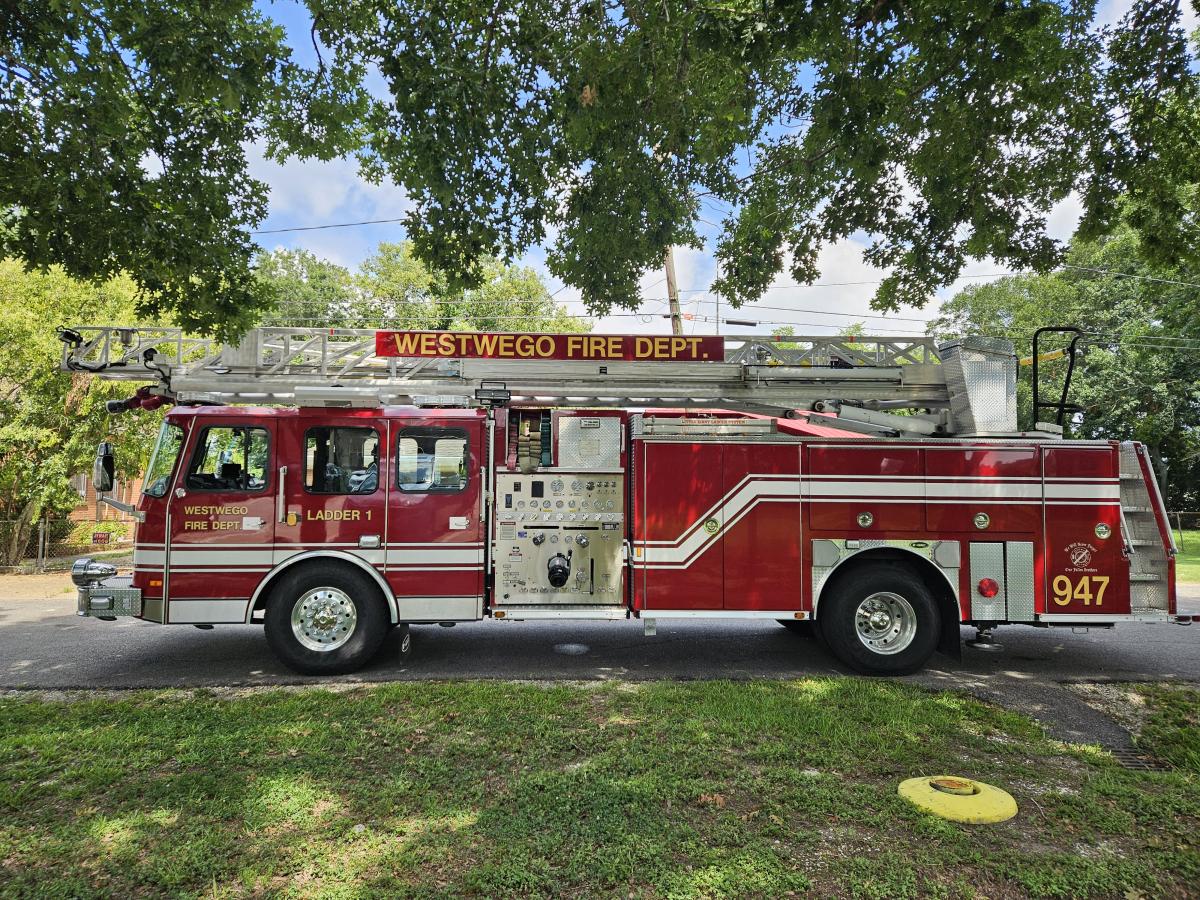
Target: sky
x,y
307,193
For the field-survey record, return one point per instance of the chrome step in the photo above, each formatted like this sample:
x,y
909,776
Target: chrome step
x,y
1147,577
560,611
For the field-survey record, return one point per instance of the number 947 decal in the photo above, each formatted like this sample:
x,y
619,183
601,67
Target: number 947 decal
x,y
1089,589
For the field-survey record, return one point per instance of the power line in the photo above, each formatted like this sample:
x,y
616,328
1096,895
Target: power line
x,y
330,225
796,287
1113,274
823,312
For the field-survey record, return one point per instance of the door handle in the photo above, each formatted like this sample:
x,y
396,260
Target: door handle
x,y
280,499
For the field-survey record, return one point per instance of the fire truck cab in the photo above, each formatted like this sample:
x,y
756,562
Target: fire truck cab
x,y
331,524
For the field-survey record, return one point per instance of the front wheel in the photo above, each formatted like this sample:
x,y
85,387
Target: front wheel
x,y
325,622
880,620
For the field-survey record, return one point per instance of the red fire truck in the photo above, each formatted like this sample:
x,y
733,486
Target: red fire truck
x,y
333,485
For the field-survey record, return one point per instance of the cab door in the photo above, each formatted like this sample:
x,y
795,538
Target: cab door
x,y
333,492
435,518
222,515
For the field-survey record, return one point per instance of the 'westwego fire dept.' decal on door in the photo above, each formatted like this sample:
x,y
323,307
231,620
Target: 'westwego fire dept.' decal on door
x,y
583,347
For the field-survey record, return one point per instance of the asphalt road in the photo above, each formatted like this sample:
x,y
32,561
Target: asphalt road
x,y
44,645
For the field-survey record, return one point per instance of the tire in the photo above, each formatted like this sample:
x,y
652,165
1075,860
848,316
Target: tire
x,y
345,623
880,620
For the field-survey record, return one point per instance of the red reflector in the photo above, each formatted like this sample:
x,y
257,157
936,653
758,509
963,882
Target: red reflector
x,y
988,587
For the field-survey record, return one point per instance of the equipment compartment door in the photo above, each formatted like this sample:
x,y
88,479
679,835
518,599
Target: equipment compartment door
x,y
435,517
222,517
762,526
677,549
1085,574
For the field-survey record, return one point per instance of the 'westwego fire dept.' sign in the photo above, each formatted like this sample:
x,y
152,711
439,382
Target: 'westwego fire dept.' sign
x,y
591,347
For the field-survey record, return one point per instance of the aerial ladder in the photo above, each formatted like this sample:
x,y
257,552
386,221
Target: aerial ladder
x,y
878,385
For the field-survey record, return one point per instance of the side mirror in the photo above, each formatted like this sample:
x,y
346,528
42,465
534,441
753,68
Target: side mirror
x,y
104,472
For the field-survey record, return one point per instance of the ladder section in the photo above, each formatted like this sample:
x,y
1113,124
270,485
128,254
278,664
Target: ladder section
x,y
959,383
1149,589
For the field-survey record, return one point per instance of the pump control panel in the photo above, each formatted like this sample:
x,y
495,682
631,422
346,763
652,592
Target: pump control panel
x,y
558,538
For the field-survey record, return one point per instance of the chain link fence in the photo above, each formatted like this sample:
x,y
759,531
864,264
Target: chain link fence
x,y
51,544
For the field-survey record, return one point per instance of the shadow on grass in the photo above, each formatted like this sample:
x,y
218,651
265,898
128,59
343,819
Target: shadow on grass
x,y
679,789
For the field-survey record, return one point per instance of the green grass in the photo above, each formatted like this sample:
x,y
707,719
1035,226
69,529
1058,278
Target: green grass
x,y
1187,563
1172,732
711,789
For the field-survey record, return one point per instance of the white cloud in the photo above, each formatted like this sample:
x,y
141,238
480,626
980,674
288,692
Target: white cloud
x,y
311,192
1064,218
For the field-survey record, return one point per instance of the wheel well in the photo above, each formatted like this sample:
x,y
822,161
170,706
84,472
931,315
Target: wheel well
x,y
325,562
932,577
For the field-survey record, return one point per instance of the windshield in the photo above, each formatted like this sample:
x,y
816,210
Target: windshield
x,y
162,460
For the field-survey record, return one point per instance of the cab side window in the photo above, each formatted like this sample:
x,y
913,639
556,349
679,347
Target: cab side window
x,y
230,458
341,460
432,460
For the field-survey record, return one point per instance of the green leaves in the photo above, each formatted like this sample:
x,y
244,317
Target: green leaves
x,y
394,289
123,129
941,131
50,421
1138,376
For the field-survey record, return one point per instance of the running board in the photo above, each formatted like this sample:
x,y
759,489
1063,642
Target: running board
x,y
517,613
778,614
1085,620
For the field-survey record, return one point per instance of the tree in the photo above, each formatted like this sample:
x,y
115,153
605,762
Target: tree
x,y
1138,376
302,289
945,130
394,289
51,421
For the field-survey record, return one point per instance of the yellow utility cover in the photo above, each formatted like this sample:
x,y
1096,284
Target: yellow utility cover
x,y
959,799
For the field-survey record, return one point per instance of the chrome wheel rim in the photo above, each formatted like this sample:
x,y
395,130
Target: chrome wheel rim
x,y
885,623
324,619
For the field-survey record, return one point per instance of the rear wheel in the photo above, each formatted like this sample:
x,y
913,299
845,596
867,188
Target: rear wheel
x,y
325,621
880,620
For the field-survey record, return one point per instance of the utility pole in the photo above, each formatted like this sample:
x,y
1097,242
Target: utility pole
x,y
673,292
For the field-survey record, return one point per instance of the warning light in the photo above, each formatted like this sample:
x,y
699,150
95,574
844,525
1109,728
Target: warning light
x,y
988,587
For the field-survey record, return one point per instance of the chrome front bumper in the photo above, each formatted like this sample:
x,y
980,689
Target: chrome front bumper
x,y
114,597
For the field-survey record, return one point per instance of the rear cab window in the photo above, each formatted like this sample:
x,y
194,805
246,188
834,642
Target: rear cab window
x,y
432,460
341,460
